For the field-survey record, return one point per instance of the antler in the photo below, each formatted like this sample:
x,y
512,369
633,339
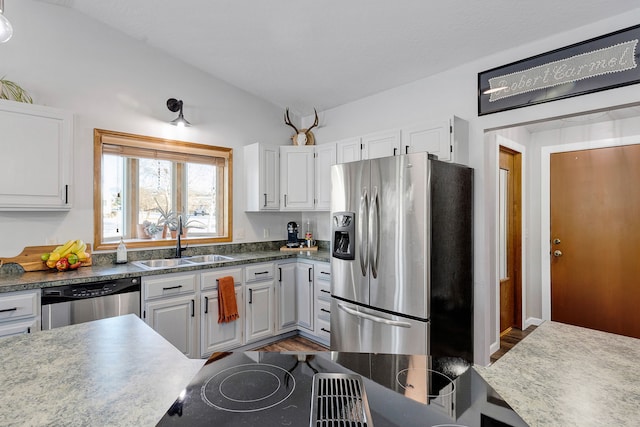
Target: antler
x,y
287,121
315,122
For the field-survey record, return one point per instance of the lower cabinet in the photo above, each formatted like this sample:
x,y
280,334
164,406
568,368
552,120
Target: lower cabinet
x,y
285,310
170,309
19,313
216,336
304,295
323,302
259,302
174,319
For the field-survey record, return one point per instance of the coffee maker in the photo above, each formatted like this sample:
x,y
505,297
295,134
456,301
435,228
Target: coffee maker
x,y
292,234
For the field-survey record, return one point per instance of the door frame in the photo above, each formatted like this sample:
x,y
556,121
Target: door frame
x,y
501,141
545,205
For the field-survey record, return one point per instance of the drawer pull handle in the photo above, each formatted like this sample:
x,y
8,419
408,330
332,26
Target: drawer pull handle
x,y
9,309
325,291
172,287
324,272
261,272
325,330
206,304
325,310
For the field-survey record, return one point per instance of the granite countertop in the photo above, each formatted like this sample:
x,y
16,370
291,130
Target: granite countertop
x,y
562,375
116,372
41,279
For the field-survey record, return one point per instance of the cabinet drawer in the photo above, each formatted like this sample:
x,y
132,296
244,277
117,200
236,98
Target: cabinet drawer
x,y
323,331
324,290
254,273
17,306
169,285
324,310
323,272
209,280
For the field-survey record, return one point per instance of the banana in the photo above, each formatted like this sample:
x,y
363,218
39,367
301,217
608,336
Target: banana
x,y
63,249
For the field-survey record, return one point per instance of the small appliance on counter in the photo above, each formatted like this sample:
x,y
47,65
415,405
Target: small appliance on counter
x,y
292,234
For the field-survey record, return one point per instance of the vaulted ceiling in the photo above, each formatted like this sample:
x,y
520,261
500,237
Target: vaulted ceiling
x,y
324,53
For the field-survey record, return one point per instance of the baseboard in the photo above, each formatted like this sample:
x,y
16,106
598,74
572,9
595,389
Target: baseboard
x,y
532,321
494,347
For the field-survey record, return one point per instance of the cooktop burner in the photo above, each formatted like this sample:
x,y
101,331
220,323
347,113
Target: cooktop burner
x,y
424,384
248,388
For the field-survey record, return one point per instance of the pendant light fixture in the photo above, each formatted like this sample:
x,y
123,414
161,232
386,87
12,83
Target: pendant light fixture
x,y
175,105
6,30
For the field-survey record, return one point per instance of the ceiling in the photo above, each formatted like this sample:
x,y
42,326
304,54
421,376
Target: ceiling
x,y
306,54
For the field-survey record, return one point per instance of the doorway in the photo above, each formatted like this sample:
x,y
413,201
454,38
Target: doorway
x,y
595,238
510,239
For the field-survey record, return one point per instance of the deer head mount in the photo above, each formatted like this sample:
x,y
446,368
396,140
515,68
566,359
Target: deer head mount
x,y
302,136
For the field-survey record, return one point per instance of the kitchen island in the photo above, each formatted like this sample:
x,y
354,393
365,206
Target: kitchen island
x,y
563,375
111,372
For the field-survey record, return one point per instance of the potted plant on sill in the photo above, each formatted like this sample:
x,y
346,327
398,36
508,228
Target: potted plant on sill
x,y
168,219
186,225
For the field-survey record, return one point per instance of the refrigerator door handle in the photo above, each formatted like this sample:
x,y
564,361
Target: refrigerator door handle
x,y
373,318
374,232
362,227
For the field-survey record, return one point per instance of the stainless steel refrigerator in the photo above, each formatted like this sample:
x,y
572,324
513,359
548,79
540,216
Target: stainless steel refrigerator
x,y
401,257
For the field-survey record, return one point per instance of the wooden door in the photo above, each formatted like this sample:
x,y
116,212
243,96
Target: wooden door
x,y
510,239
595,239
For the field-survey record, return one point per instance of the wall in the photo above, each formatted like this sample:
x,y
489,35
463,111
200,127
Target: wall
x,y
110,81
455,92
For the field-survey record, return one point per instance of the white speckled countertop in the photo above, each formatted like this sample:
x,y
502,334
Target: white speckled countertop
x,y
562,375
111,372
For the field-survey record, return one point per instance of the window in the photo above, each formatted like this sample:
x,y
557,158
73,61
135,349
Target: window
x,y
143,187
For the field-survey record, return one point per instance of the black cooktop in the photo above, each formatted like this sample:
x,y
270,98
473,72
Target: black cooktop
x,y
276,389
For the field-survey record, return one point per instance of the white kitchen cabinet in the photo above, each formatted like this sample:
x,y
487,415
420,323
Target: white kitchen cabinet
x,y
262,177
259,304
381,144
19,312
322,290
37,146
325,157
304,295
216,336
297,178
286,297
175,319
348,150
447,139
170,308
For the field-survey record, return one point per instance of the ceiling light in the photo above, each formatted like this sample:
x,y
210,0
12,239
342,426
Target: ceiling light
x,y
176,105
6,30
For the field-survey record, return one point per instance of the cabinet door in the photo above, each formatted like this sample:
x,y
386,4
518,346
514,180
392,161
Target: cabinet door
x,y
297,178
381,144
259,302
262,177
286,297
175,319
432,137
304,295
348,150
37,148
325,157
216,336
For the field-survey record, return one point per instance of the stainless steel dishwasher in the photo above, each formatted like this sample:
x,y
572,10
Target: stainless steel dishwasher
x,y
72,304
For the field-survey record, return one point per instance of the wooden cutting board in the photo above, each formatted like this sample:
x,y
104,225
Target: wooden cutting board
x,y
286,249
30,260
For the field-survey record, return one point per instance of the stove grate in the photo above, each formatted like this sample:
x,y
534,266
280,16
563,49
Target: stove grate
x,y
339,400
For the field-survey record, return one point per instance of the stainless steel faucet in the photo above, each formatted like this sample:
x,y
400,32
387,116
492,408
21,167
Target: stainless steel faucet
x,y
179,247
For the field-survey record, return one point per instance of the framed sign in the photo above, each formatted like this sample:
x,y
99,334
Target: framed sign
x,y
601,63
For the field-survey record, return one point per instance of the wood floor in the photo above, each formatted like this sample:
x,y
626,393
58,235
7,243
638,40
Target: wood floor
x,y
508,340
299,343
296,343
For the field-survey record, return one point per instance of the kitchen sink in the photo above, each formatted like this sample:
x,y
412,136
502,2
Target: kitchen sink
x,y
204,259
153,264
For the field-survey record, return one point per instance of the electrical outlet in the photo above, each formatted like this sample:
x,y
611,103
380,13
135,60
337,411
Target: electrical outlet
x,y
240,234
265,232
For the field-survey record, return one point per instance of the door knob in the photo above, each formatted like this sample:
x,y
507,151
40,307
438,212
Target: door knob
x,y
557,253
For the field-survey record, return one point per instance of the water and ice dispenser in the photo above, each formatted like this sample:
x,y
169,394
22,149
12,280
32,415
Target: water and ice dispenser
x,y
343,234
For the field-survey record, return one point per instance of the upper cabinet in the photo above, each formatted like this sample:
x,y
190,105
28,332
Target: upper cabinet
x,y
36,162
325,157
262,177
447,139
297,177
